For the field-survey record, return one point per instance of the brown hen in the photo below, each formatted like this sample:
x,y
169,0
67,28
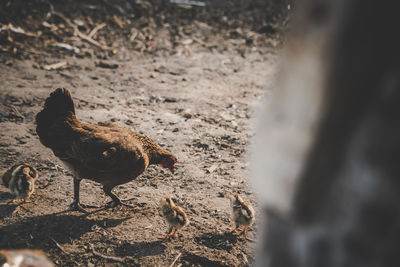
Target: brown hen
x,y
107,153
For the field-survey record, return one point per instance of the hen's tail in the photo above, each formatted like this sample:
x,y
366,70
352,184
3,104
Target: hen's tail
x,y
58,104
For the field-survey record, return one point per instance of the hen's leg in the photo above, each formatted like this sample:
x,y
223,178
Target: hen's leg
x,y
76,205
115,200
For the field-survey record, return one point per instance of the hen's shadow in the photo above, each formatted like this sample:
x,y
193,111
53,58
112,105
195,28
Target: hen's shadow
x,y
7,209
39,230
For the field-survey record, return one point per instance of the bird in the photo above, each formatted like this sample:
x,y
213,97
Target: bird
x,y
243,213
174,215
20,180
106,153
25,258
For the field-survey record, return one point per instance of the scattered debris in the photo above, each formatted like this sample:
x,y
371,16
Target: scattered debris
x,y
114,258
68,47
59,246
55,66
107,65
51,27
188,115
118,22
188,2
93,32
251,240
18,30
176,259
84,36
212,168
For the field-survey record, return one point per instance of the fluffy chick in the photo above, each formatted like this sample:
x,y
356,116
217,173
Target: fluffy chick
x,y
243,213
25,258
20,180
174,215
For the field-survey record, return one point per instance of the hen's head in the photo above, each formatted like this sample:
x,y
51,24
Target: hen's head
x,y
169,161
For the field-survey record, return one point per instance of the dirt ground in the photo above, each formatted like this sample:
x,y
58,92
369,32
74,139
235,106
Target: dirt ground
x,y
196,98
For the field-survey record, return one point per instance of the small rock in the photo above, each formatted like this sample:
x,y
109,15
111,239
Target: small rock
x,y
68,47
107,65
188,115
161,69
170,100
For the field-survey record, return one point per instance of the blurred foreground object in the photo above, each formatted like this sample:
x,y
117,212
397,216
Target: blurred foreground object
x,y
328,140
25,258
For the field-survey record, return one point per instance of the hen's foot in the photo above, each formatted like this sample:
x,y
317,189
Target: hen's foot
x,y
118,202
77,206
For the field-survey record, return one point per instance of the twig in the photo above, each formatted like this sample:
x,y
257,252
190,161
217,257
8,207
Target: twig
x,y
93,102
119,259
55,66
251,240
59,246
82,35
118,22
177,257
96,29
17,112
18,30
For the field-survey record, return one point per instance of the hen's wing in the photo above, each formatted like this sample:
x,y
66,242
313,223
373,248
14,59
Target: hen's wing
x,y
110,148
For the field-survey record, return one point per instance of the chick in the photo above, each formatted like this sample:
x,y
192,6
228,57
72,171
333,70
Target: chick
x,y
25,258
175,216
20,179
243,213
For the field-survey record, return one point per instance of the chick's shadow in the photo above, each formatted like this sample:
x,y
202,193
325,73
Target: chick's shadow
x,y
141,249
6,208
224,241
